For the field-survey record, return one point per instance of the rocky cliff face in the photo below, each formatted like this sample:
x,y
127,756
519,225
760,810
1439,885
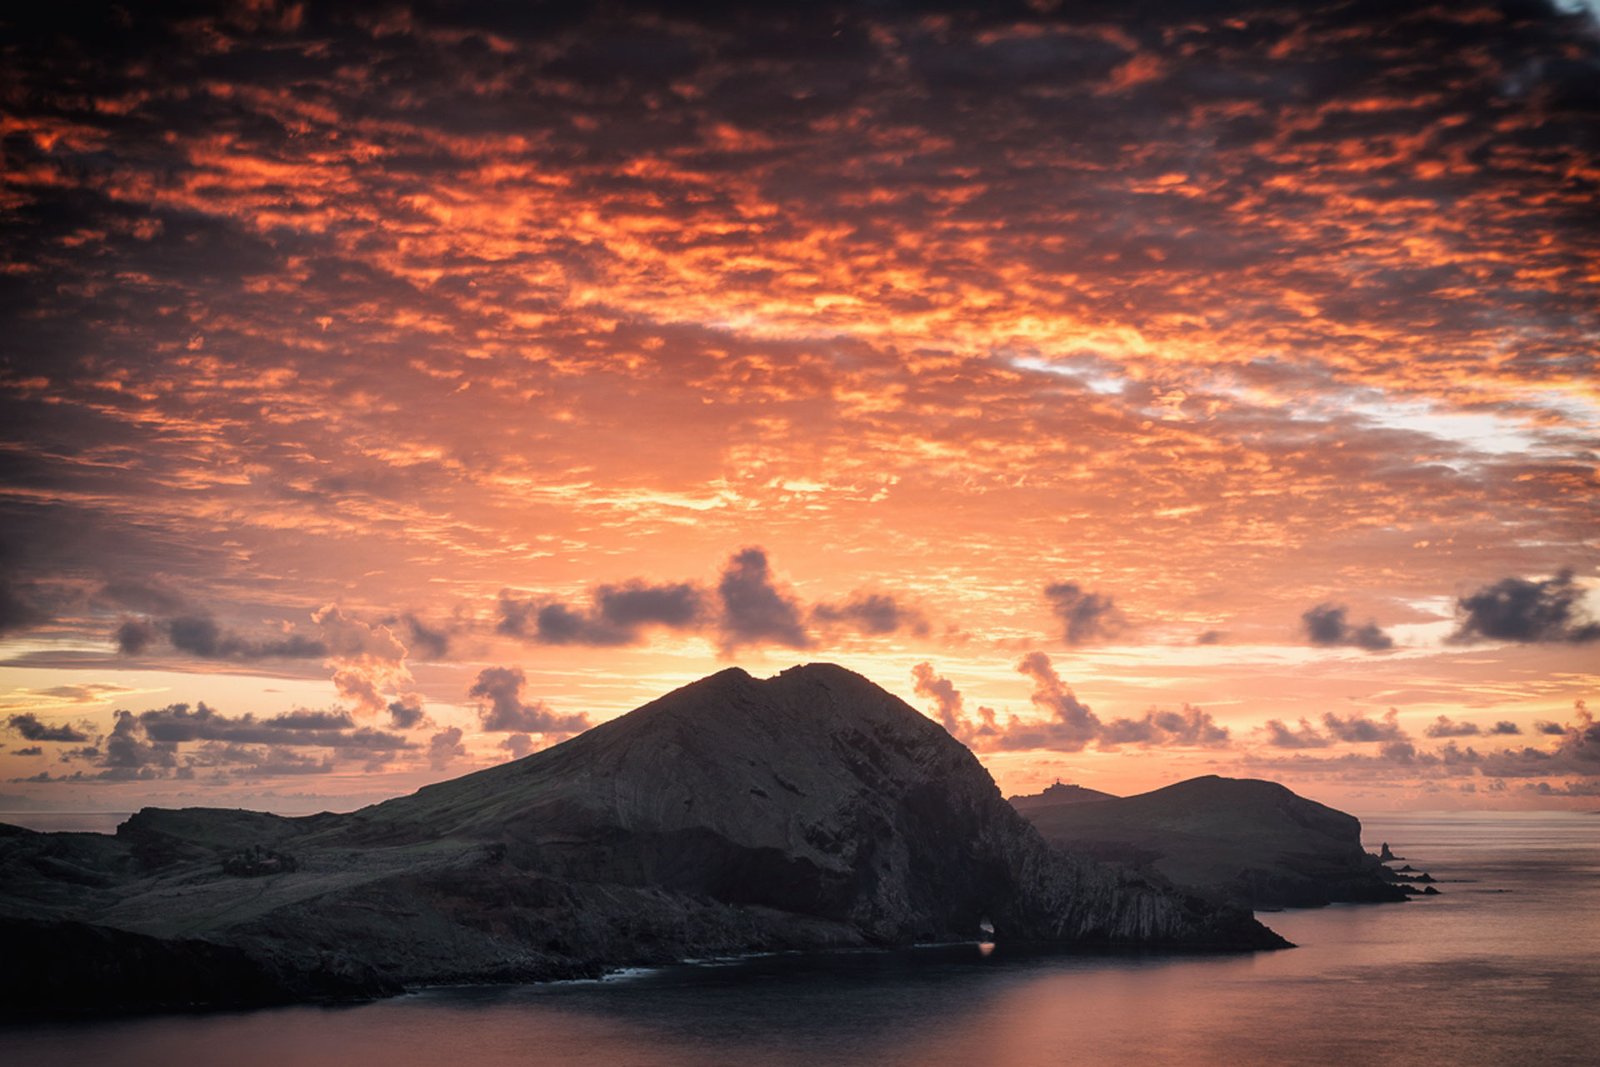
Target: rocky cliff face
x,y
1244,841
810,809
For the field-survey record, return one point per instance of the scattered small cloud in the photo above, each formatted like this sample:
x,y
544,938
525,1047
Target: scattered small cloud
x,y
445,746
1306,736
754,610
1084,616
518,745
1444,726
31,729
1359,729
1326,625
505,711
406,713
875,614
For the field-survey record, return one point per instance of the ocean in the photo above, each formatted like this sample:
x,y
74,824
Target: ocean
x,y
1503,967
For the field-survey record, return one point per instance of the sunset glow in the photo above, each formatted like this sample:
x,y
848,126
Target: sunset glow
x,y
389,390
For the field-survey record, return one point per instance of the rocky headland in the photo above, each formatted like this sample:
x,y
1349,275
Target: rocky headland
x,y
1243,841
809,810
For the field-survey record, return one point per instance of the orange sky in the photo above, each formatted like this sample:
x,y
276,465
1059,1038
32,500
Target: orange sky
x,y
1145,390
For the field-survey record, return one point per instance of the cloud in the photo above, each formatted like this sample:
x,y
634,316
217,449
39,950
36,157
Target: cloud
x,y
200,635
17,611
1515,609
178,723
423,641
872,613
367,660
754,611
1071,725
1084,616
81,693
1281,736
505,711
344,637
232,762
30,750
29,726
1576,788
1362,730
676,606
1325,625
177,740
1577,754
147,598
133,636
1191,727
518,745
445,746
746,608
618,614
129,755
406,712
674,284
1444,726
947,698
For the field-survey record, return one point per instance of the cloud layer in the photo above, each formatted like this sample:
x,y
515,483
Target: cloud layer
x,y
824,331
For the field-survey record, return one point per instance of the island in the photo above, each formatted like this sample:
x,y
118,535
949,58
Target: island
x,y
808,810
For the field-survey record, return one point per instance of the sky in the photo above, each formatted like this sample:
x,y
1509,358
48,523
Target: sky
x,y
1142,390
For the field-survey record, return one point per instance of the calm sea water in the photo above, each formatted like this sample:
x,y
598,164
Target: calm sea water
x,y
1502,968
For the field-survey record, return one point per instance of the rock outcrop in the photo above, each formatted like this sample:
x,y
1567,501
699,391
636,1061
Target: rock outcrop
x,y
1243,841
812,809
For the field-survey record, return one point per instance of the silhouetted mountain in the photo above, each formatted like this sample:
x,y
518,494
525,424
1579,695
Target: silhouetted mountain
x,y
1237,840
1058,794
808,810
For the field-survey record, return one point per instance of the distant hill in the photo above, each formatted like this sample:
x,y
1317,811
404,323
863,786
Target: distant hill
x,y
1241,840
807,810
1058,794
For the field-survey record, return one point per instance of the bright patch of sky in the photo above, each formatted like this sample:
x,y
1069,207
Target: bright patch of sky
x,y
1479,431
1092,378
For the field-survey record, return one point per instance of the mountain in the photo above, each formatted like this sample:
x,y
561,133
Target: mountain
x,y
1243,841
808,810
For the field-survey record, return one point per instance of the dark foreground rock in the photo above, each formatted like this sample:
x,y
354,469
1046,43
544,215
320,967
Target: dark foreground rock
x,y
809,810
1243,841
